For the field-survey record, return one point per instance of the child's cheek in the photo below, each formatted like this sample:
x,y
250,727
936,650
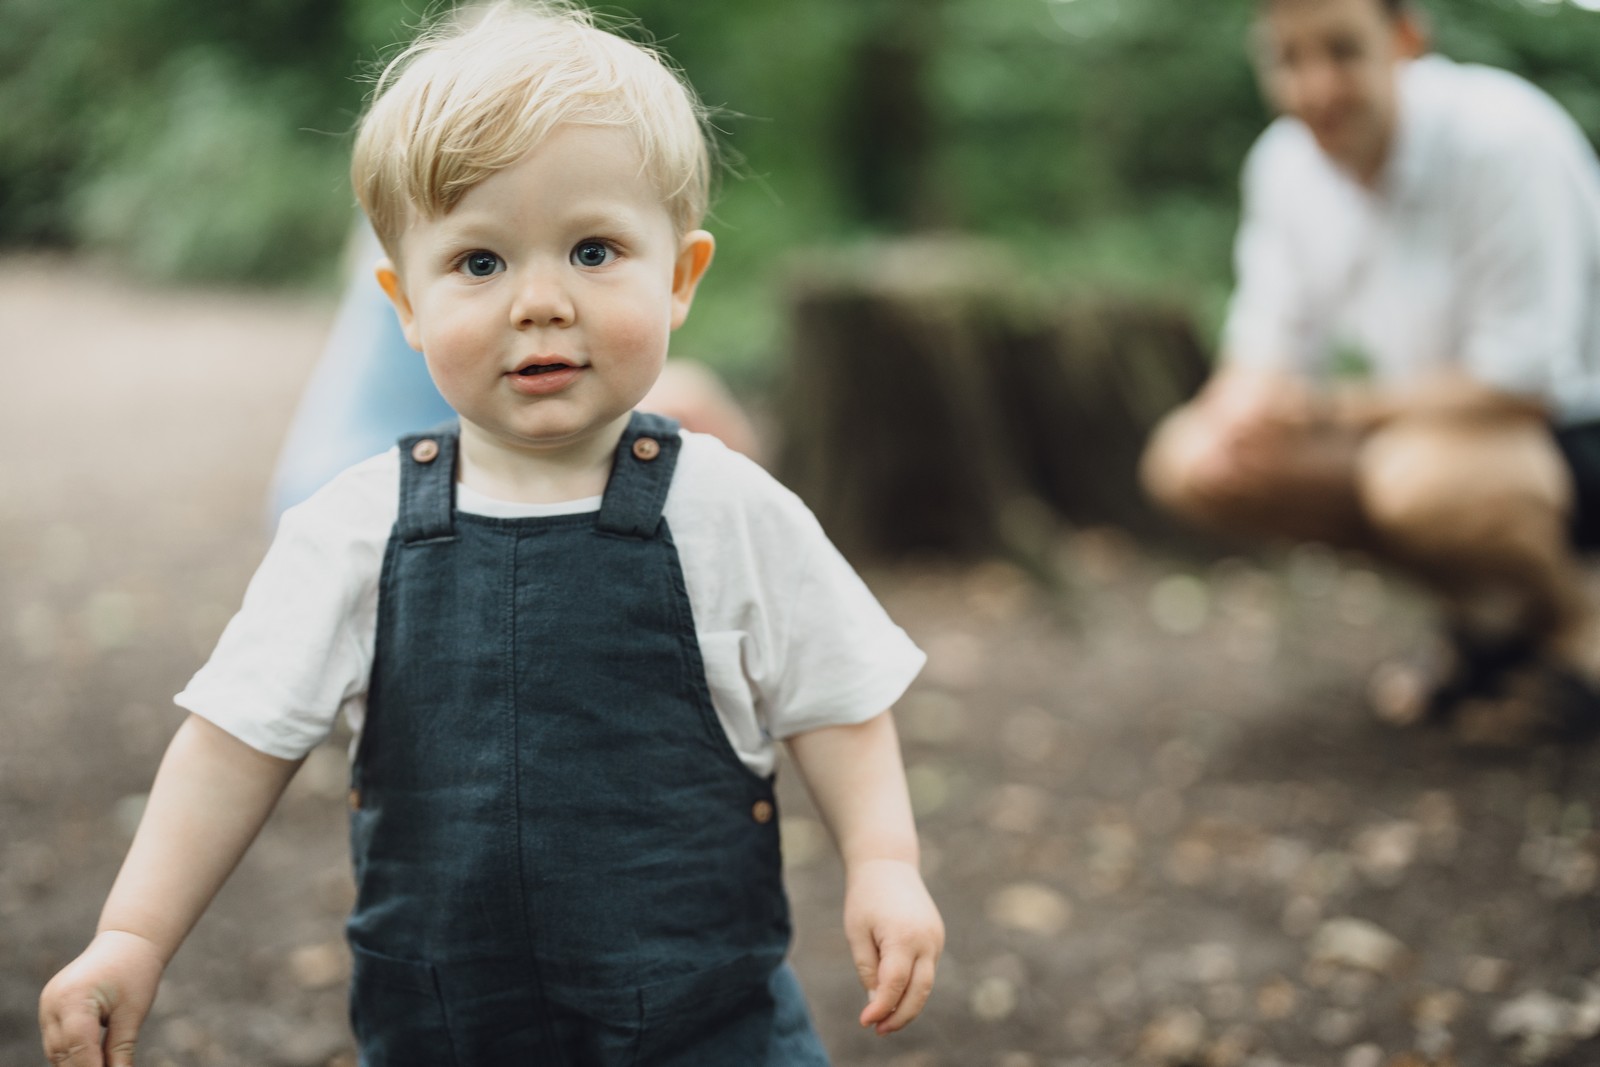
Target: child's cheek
x,y
640,326
457,348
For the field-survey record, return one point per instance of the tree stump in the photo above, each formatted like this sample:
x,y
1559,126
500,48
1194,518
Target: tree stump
x,y
933,395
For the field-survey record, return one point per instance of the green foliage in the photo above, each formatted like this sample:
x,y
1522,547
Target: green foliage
x,y
1102,138
186,138
212,184
1074,109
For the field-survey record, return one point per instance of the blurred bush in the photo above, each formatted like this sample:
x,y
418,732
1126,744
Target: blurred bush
x,y
179,136
1102,138
206,182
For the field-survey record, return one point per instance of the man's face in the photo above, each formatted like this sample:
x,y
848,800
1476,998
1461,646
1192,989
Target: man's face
x,y
1332,64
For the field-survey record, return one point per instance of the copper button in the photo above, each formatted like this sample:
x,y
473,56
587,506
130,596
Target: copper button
x,y
355,800
762,811
425,450
647,448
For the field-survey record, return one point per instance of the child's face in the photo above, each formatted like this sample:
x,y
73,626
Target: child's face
x,y
543,301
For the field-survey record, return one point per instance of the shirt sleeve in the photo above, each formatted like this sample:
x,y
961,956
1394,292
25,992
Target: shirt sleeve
x,y
838,657
1264,328
300,648
1527,273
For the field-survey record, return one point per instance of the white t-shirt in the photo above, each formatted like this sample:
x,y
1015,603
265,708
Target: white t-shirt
x,y
791,637
1478,248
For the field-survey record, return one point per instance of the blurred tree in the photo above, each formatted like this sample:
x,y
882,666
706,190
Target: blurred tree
x,y
885,119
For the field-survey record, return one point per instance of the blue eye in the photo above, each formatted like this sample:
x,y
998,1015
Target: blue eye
x,y
591,254
482,264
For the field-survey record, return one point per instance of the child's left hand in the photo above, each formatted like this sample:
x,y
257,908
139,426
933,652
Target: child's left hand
x,y
895,936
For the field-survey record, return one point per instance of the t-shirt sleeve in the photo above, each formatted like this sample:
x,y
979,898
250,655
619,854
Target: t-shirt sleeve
x,y
300,647
838,659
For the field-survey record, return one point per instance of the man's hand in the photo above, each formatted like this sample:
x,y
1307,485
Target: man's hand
x,y
1251,416
896,937
90,1013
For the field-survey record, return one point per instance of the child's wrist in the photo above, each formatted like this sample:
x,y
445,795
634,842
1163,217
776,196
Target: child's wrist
x,y
854,866
132,941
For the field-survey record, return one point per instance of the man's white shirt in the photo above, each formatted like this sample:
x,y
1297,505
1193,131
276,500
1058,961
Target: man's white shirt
x,y
1478,247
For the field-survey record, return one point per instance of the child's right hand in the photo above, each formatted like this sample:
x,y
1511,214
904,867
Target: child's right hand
x,y
110,986
896,937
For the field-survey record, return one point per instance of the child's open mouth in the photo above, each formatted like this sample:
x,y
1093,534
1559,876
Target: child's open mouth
x,y
543,379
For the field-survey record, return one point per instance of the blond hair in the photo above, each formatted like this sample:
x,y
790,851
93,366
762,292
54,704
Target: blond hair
x,y
477,91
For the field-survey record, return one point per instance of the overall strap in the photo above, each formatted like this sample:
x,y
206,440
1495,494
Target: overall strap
x,y
428,484
641,474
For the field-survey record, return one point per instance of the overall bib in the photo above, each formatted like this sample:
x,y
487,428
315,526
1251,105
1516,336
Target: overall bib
x,y
560,860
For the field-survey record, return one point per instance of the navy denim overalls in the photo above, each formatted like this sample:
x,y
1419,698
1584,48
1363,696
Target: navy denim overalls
x,y
559,858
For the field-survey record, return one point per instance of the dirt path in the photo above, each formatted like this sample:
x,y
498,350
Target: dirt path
x,y
1160,825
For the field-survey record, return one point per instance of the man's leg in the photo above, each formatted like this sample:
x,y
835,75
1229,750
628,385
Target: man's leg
x,y
1479,511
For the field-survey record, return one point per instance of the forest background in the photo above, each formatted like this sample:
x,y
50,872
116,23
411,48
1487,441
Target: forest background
x,y
1154,808
1100,140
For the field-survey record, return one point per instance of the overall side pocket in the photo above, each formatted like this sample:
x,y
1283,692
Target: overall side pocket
x,y
397,1012
721,1017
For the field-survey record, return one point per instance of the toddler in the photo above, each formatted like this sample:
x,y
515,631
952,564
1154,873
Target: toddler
x,y
567,635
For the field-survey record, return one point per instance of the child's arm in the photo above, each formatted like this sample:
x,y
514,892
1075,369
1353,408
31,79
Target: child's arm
x,y
895,933
210,798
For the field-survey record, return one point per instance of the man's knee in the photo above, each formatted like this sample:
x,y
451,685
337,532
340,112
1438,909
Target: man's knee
x,y
1178,467
1426,487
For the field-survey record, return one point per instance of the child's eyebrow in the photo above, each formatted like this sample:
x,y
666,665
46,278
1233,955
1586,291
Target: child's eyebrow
x,y
465,226
619,218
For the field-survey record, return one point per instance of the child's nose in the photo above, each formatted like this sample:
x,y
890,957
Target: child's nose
x,y
542,300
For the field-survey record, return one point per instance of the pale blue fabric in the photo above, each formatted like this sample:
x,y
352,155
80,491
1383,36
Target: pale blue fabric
x,y
368,388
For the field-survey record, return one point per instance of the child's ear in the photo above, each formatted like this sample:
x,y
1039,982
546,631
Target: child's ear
x,y
389,279
694,256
